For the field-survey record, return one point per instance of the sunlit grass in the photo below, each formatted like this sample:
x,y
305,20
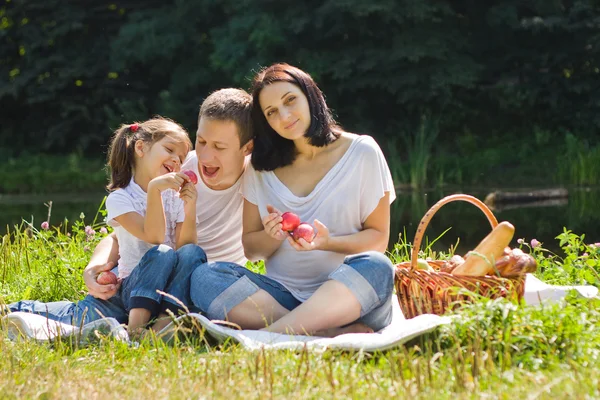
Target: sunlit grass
x,y
493,349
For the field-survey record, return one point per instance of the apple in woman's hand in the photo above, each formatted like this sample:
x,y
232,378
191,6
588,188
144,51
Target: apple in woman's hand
x,y
304,231
290,221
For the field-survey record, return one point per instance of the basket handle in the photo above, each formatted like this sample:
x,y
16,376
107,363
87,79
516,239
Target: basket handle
x,y
429,214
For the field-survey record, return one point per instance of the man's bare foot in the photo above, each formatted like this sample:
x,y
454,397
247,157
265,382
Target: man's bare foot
x,y
357,327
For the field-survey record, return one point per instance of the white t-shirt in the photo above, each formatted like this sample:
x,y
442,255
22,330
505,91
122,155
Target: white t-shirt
x,y
218,218
342,200
133,199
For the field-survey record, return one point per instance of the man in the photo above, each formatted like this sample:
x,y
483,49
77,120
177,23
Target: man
x,y
223,144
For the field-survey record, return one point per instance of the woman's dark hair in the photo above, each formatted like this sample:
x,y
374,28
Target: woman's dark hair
x,y
270,149
121,158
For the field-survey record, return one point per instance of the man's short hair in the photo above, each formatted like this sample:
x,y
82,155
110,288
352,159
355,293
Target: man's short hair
x,y
230,105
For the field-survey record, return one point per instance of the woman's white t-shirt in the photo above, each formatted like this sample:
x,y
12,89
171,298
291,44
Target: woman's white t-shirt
x,y
342,201
132,198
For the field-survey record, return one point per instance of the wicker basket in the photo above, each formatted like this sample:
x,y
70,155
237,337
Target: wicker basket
x,y
425,292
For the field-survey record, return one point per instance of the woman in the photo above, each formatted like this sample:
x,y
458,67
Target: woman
x,y
304,163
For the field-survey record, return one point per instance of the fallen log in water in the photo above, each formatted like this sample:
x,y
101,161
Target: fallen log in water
x,y
500,197
559,202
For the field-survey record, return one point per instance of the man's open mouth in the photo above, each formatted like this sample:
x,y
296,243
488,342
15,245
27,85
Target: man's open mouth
x,y
209,172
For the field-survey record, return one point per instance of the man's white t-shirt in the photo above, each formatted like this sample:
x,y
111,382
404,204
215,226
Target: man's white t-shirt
x,y
132,198
342,200
218,218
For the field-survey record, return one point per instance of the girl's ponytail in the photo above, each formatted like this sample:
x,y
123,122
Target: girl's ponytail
x,y
121,157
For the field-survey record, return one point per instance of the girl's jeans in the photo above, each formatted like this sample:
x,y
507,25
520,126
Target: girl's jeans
x,y
161,267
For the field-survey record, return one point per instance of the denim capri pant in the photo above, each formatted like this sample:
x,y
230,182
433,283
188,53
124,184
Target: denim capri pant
x,y
217,287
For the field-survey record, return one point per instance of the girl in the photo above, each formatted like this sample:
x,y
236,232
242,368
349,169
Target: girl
x,y
340,182
151,203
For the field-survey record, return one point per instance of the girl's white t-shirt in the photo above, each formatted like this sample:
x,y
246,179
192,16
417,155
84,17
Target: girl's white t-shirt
x,y
132,198
218,218
342,201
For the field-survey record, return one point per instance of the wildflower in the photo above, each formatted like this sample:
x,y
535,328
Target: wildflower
x,y
68,234
86,248
535,243
45,225
89,231
584,255
82,215
103,231
520,241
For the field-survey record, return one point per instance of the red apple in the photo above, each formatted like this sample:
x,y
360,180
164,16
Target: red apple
x,y
107,278
305,231
290,221
192,175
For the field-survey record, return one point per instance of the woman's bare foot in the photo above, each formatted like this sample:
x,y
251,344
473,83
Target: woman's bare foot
x,y
357,327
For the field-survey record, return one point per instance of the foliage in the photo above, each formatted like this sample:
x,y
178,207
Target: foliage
x,y
71,74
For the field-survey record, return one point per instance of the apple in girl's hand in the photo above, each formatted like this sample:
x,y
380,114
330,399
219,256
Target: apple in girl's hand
x,y
290,221
192,175
107,278
304,231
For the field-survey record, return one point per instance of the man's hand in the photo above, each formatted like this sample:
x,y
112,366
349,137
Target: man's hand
x,y
103,292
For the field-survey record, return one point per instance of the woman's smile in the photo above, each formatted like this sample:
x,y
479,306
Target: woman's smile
x,y
290,126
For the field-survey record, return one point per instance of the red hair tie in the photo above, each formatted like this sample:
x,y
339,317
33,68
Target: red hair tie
x,y
134,127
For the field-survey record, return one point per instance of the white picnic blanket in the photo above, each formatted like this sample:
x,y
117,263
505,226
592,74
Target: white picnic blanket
x,y
400,331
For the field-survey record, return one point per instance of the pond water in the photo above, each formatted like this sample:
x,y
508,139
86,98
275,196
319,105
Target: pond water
x,y
580,213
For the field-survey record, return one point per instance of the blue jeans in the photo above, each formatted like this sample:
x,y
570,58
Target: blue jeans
x,y
217,287
160,267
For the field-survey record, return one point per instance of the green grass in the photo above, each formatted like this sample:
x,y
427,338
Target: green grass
x,y
494,348
583,167
418,147
41,173
418,157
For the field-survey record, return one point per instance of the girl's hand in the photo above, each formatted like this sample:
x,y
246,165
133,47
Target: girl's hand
x,y
189,194
319,242
172,180
272,223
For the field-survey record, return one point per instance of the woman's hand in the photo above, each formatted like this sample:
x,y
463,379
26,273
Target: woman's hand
x,y
319,242
272,223
172,180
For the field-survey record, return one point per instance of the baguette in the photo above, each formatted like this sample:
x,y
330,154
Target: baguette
x,y
481,260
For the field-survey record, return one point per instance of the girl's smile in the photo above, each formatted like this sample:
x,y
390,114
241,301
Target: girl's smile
x,y
163,157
